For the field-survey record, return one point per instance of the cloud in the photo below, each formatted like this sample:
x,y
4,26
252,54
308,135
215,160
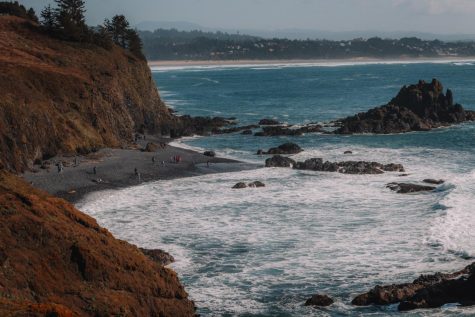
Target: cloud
x,y
438,7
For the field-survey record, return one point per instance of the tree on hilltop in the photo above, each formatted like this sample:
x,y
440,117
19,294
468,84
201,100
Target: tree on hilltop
x,y
70,18
48,19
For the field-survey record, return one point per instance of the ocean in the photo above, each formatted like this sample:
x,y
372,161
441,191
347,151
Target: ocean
x,y
264,251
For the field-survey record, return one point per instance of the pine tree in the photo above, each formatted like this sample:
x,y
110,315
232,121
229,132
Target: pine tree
x,y
71,20
48,19
118,28
135,43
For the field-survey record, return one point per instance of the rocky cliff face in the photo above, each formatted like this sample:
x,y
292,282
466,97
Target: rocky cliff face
x,y
419,107
56,261
64,97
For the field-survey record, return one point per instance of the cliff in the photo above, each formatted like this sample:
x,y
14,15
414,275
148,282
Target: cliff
x,y
55,259
65,97
420,107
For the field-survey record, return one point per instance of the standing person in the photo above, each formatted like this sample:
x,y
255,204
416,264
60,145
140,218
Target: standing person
x,y
207,163
153,159
136,172
94,170
76,161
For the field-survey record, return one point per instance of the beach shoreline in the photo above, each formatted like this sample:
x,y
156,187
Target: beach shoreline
x,y
115,169
322,62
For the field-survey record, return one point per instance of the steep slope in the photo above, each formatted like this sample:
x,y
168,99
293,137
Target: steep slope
x,y
64,97
55,259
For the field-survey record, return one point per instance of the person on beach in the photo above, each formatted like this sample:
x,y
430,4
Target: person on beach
x,y
76,161
153,159
60,167
136,172
163,163
94,170
207,163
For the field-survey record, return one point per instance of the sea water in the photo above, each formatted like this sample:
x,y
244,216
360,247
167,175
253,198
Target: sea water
x,y
264,251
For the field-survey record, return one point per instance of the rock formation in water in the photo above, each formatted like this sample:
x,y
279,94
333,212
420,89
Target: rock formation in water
x,y
406,188
57,261
419,107
427,291
347,167
286,148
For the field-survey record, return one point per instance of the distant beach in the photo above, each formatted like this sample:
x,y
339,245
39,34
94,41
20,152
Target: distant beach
x,y
313,62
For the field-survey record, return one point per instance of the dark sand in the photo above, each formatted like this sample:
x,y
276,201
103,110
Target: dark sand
x,y
115,169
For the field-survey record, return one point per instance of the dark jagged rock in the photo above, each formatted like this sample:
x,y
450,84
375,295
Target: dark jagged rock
x,y
256,184
286,148
319,300
427,291
240,185
405,188
244,129
268,122
279,161
419,107
348,167
288,130
247,132
159,256
209,153
348,152
434,181
188,126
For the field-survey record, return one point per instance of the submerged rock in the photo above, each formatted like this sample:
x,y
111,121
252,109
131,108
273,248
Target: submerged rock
x,y
240,185
419,107
279,161
319,300
256,184
427,291
268,122
348,152
405,188
434,181
209,153
288,130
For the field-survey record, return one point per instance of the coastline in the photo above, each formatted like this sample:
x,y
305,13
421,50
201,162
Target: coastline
x,y
316,62
115,169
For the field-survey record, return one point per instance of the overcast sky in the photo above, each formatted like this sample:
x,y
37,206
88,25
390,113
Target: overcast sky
x,y
435,16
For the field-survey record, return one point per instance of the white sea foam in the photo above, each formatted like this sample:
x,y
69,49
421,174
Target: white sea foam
x,y
305,232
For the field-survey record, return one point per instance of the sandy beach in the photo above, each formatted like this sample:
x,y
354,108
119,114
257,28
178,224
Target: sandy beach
x,y
362,60
115,168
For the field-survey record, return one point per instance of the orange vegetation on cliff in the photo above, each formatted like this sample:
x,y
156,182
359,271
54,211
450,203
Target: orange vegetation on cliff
x,y
65,97
55,259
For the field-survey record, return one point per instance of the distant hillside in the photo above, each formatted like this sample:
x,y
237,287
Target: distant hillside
x,y
198,45
68,97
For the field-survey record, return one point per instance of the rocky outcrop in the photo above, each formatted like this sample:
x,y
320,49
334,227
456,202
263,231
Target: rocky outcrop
x,y
427,291
245,129
286,148
279,161
348,167
433,181
289,130
319,300
255,184
406,188
419,107
159,256
269,122
151,147
57,261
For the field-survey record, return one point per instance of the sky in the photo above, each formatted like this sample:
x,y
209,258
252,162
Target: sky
x,y
433,16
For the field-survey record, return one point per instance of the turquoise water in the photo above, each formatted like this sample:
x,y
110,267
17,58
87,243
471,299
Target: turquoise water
x,y
263,252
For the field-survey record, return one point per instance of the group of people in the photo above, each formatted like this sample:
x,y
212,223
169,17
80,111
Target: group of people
x,y
175,159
